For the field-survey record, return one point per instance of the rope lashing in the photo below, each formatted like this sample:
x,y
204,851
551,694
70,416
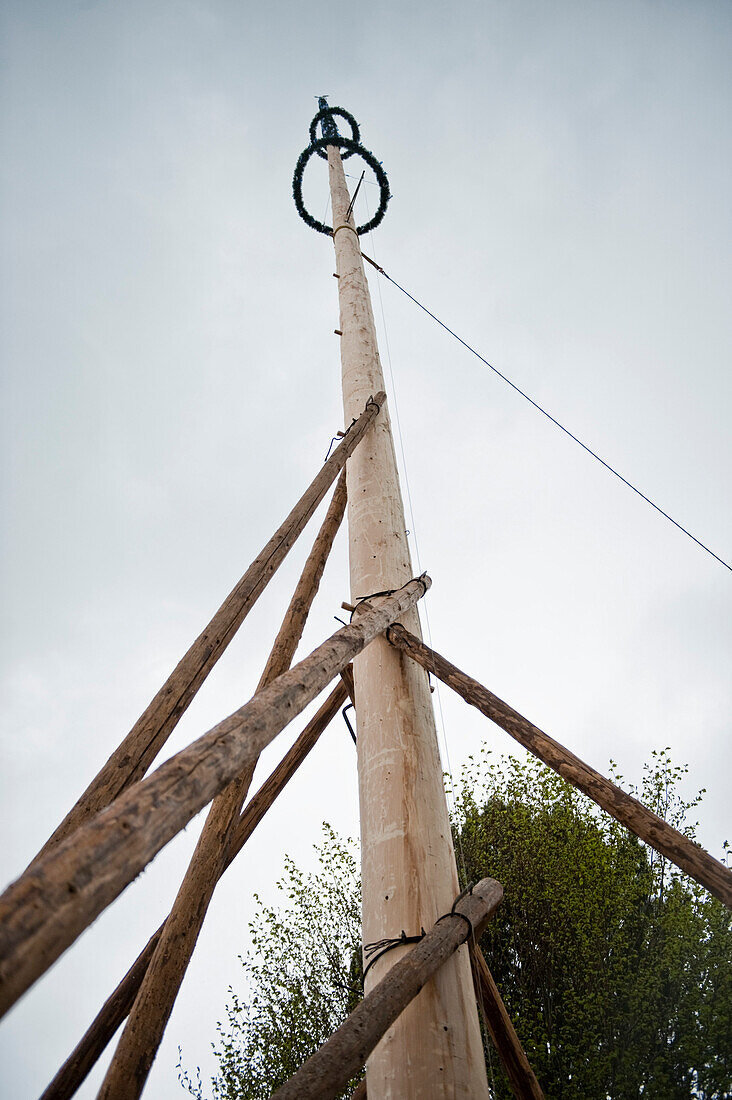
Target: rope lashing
x,y
374,951
349,146
345,226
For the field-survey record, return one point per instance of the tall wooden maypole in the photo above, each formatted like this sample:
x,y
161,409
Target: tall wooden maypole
x,y
408,865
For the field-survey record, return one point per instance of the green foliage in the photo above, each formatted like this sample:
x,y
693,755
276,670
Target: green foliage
x,y
303,973
615,968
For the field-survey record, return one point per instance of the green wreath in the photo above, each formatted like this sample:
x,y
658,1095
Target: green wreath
x,y
327,113
351,146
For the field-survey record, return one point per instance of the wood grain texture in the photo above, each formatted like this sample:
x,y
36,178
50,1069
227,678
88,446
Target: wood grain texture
x,y
328,1071
636,817
408,869
129,762
44,911
91,1046
518,1070
149,1015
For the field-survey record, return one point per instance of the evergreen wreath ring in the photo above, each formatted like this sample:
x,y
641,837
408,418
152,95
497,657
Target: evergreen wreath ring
x,y
327,113
353,147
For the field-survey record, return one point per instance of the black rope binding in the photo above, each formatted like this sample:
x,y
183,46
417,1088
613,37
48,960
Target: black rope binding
x,y
374,951
349,146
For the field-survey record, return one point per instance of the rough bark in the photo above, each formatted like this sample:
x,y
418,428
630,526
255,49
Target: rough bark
x,y
646,825
520,1074
91,1046
87,1051
129,762
328,1071
149,1015
43,912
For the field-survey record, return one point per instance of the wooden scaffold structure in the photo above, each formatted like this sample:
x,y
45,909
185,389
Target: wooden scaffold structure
x,y
417,1029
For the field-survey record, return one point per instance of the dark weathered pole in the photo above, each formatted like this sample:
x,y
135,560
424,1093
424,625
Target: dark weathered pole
x,y
257,807
43,912
502,1032
91,1046
132,758
328,1071
93,1042
149,1015
646,825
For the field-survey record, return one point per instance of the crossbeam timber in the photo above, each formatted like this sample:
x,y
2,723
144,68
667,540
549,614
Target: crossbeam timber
x,y
43,912
129,762
501,1030
327,1072
91,1046
631,813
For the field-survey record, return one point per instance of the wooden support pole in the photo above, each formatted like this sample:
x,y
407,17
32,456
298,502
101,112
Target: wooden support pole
x,y
651,829
328,1071
408,866
148,1017
129,762
91,1046
43,912
85,1055
520,1074
255,810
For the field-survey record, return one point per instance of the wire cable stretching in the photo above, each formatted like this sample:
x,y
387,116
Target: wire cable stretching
x,y
549,416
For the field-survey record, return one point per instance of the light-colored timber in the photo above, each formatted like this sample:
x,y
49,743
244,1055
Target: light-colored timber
x,y
91,1046
50,905
328,1071
631,813
129,762
513,1057
408,865
149,1015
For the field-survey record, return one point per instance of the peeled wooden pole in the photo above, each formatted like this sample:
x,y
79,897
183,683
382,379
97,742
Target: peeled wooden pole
x,y
143,1032
43,912
131,759
91,1046
520,1074
408,865
328,1071
646,825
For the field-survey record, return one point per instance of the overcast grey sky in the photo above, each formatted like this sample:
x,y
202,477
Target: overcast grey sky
x,y
561,178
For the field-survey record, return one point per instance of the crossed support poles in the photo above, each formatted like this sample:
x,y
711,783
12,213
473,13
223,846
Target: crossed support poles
x,y
109,838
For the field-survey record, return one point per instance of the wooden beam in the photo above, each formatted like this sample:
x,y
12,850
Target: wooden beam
x,y
653,830
91,1046
129,762
328,1071
43,912
520,1074
149,1015
283,773
408,869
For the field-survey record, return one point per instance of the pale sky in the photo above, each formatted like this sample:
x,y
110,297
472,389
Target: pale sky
x,y
561,178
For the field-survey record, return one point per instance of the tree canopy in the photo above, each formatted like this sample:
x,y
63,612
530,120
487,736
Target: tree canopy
x,y
616,969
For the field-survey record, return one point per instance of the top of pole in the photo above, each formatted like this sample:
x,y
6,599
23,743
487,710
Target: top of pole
x,y
331,135
328,126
